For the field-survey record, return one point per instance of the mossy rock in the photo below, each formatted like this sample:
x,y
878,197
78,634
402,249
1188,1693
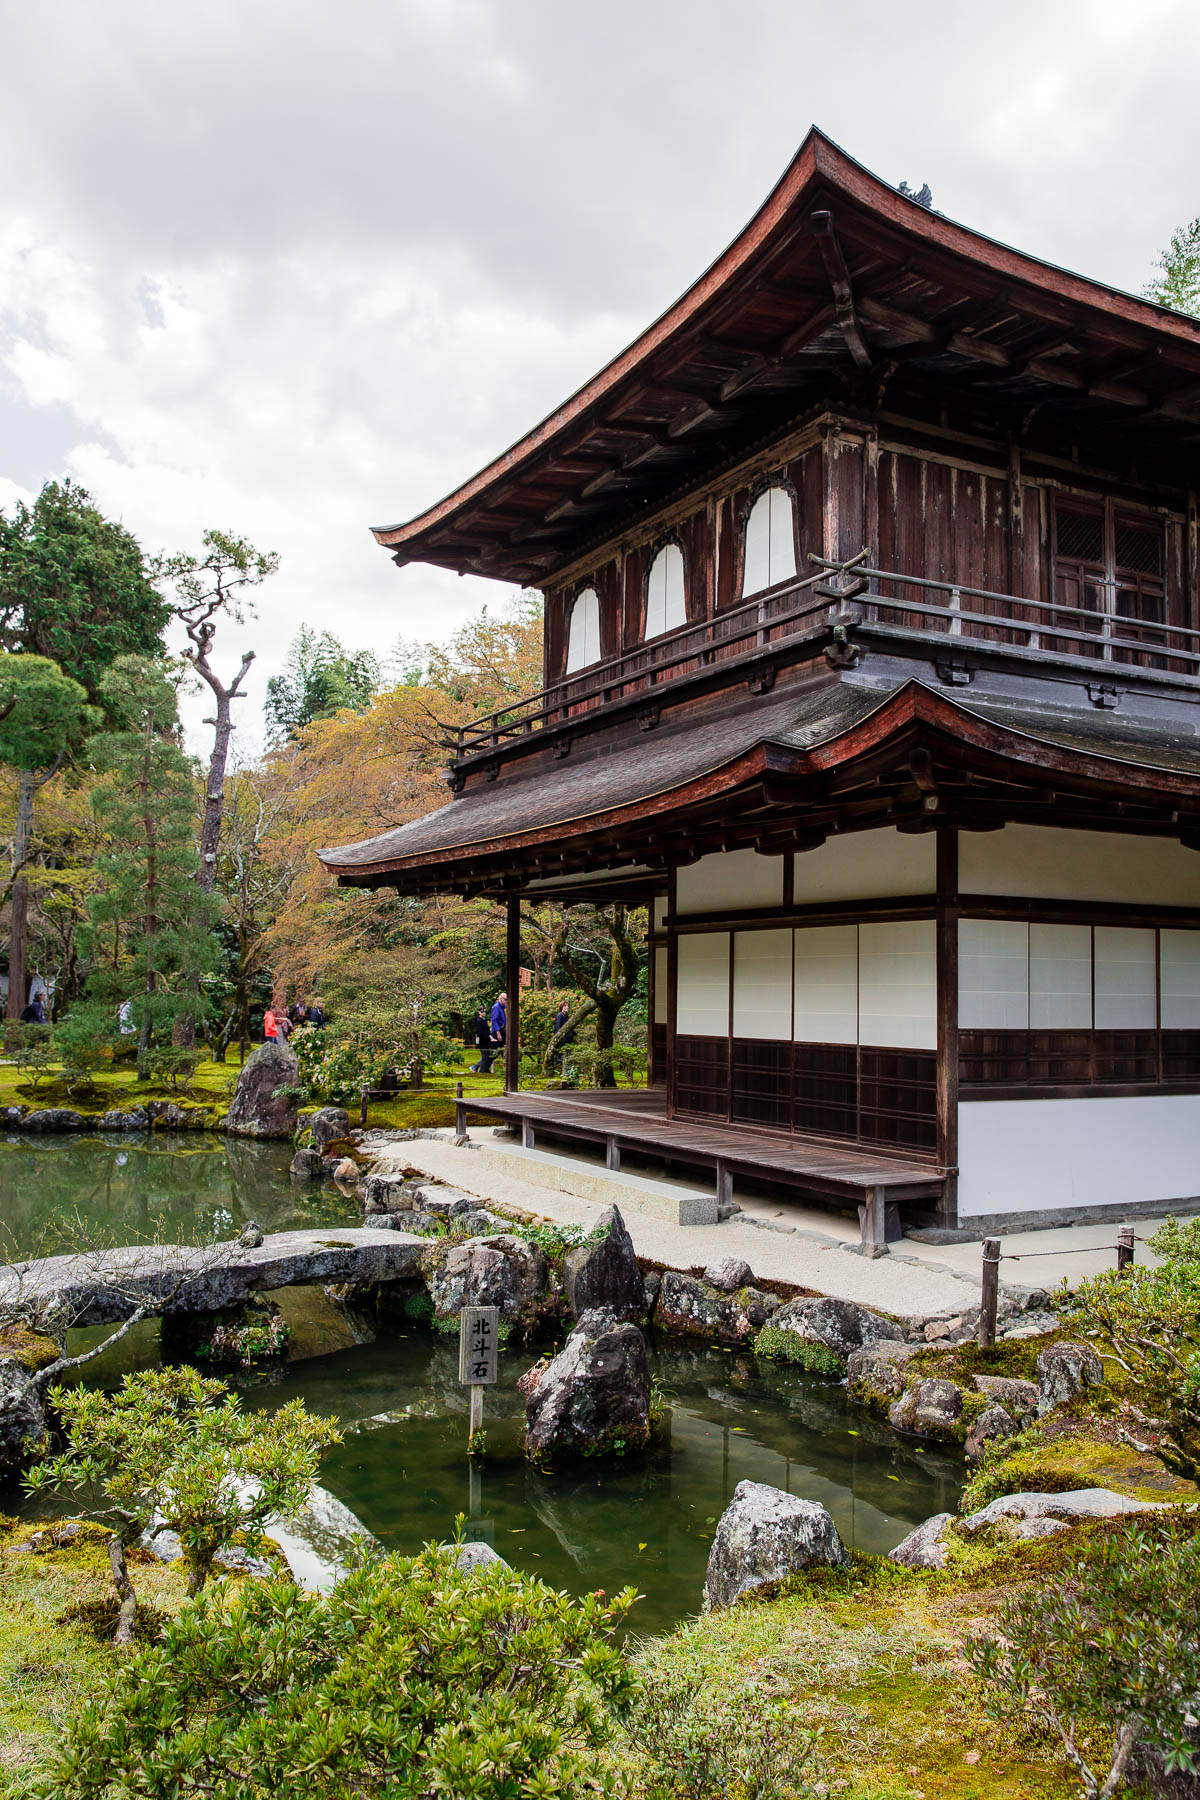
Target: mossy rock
x,y
32,1349
1032,1463
782,1345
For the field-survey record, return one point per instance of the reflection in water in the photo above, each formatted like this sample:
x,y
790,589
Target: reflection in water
x,y
77,1192
403,1469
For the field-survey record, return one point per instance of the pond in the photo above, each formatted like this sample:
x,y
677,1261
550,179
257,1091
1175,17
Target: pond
x,y
403,1469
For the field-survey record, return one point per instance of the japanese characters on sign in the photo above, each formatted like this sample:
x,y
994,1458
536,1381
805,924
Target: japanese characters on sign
x,y
478,1345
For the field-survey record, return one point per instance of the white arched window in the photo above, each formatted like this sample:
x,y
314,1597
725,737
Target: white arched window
x,y
583,634
770,542
665,605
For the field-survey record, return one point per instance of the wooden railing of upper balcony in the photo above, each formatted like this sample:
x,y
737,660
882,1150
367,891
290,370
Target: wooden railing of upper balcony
x,y
844,596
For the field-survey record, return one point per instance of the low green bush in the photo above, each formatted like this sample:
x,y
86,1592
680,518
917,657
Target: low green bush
x,y
410,1679
782,1345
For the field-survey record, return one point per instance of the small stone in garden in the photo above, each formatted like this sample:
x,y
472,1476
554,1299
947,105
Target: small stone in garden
x,y
939,1330
730,1274
992,1426
346,1170
1065,1370
250,1236
472,1559
930,1408
604,1271
924,1547
308,1164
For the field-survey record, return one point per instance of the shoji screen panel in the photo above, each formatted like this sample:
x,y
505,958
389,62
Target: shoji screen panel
x,y
993,975
826,985
1060,977
703,985
1125,977
897,984
1179,965
762,984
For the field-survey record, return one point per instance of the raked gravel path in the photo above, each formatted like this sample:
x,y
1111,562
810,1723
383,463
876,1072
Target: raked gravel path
x,y
907,1288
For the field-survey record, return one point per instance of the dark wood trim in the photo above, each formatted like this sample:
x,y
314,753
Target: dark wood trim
x,y
1080,1091
824,912
672,996
947,1013
512,964
1074,912
1087,1062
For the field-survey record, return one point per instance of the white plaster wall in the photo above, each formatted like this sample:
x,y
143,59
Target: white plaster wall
x,y
1027,1155
729,881
1047,863
702,1008
897,984
867,865
826,986
762,984
661,996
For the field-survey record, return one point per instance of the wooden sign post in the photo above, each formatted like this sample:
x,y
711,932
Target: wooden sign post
x,y
478,1358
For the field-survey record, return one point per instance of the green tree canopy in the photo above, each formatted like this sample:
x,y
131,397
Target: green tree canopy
x,y
149,925
321,677
1177,283
42,712
74,585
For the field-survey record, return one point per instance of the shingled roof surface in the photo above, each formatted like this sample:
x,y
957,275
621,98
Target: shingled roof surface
x,y
585,786
1166,744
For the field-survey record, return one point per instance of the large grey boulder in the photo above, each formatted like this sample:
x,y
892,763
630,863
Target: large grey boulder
x,y
1017,1397
930,1408
331,1125
22,1417
924,1547
307,1165
1025,1515
53,1118
477,1559
838,1327
1065,1370
603,1272
993,1426
259,1109
387,1190
877,1371
691,1308
501,1270
593,1399
764,1536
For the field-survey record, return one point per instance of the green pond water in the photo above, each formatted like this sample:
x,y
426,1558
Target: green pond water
x,y
403,1471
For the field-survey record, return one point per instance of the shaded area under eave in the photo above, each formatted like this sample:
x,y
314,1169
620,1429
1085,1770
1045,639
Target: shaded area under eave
x,y
809,732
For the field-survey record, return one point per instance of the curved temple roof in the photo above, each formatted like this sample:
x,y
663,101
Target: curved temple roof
x,y
835,274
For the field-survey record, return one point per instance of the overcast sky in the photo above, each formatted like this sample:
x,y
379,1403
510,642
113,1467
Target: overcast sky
x,y
294,268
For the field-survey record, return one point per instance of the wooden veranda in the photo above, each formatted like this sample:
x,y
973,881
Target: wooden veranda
x,y
876,1181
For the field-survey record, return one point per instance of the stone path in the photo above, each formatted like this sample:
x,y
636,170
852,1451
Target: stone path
x,y
907,1288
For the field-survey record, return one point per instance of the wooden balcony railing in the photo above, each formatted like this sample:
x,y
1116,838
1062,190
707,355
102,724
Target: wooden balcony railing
x,y
847,595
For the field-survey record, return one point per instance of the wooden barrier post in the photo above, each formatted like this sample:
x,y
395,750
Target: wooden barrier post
x,y
1124,1248
478,1362
990,1294
460,1114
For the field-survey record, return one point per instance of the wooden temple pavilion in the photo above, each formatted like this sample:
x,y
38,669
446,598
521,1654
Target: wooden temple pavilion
x,y
873,669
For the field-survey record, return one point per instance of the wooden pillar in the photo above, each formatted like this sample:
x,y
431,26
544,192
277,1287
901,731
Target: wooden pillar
x,y
672,994
512,985
947,1020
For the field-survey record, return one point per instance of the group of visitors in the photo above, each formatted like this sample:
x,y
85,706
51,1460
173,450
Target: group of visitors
x,y
491,1034
279,1021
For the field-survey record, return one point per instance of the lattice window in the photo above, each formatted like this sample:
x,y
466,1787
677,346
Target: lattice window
x,y
1079,536
1138,548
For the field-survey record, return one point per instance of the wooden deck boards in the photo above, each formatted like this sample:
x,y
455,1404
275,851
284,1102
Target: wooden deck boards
x,y
636,1121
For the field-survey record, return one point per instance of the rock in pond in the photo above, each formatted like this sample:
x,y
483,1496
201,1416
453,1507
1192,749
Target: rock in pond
x,y
877,1371
603,1272
730,1274
930,1408
1065,1370
22,1417
693,1309
308,1165
260,1109
476,1559
924,1547
822,1334
502,1270
593,1399
331,1125
53,1118
764,1536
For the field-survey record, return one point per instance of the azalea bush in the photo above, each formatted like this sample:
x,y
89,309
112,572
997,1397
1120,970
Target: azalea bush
x,y
334,1071
173,1450
1147,1320
1108,1660
410,1679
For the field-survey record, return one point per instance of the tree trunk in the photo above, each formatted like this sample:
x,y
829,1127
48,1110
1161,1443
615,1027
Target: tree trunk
x,y
27,786
127,1613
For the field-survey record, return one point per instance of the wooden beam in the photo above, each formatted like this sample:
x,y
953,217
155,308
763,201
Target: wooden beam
x,y
843,291
512,983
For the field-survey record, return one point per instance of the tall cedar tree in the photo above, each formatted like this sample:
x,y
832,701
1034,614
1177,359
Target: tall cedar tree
x,y
149,924
74,588
43,714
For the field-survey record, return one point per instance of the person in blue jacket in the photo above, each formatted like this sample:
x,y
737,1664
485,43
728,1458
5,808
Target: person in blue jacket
x,y
499,1021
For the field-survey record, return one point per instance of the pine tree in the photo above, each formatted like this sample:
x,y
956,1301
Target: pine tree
x,y
1177,283
149,924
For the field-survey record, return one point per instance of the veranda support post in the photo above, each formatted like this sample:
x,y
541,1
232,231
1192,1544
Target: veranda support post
x,y
512,982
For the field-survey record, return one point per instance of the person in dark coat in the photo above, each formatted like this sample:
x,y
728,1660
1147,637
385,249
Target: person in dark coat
x,y
35,1012
483,1043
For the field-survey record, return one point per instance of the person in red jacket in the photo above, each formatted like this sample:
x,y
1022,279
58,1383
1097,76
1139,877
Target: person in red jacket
x,y
271,1022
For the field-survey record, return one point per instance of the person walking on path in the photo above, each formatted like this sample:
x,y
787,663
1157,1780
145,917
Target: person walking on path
x,y
271,1022
316,1016
483,1043
499,1021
